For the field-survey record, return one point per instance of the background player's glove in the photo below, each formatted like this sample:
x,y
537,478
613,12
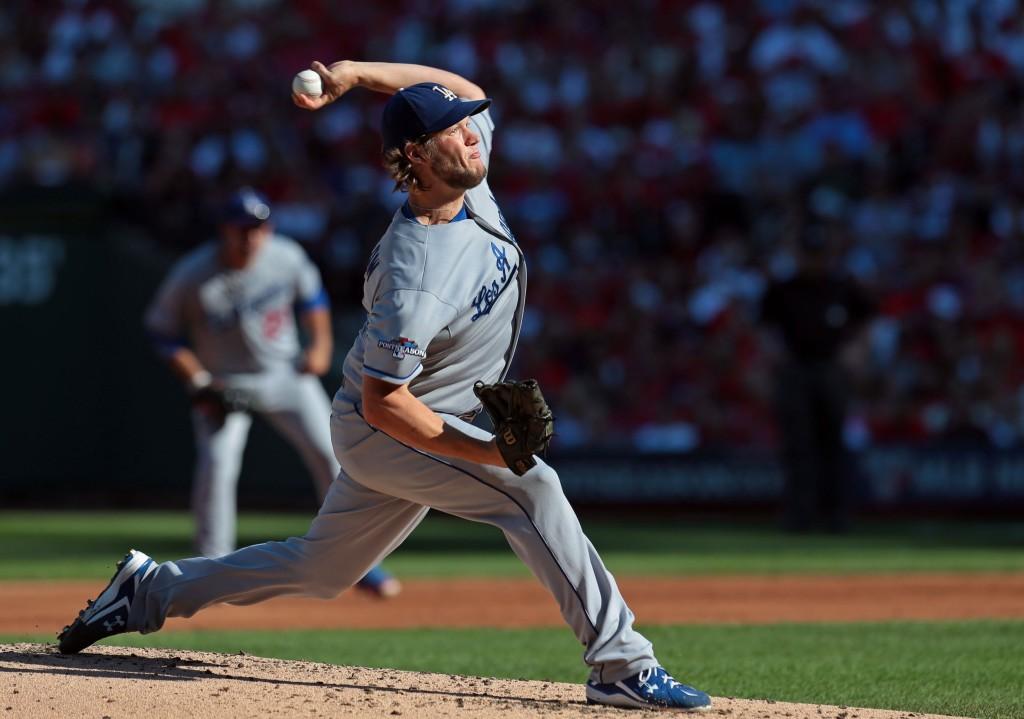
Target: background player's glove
x,y
217,401
523,423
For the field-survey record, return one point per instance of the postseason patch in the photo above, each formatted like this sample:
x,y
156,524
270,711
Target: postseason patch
x,y
402,346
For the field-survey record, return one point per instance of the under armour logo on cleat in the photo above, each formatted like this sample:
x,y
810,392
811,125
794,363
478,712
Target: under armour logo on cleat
x,y
115,622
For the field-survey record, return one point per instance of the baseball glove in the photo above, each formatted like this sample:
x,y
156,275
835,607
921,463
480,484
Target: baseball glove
x,y
523,423
218,401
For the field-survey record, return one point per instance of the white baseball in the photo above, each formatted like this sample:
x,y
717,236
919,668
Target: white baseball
x,y
307,82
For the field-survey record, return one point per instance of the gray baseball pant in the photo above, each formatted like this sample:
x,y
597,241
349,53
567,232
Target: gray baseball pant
x,y
382,493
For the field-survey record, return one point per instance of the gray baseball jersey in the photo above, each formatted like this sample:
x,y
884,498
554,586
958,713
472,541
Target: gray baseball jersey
x,y
237,321
436,329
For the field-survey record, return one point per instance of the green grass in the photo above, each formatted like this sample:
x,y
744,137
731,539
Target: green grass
x,y
959,668
68,545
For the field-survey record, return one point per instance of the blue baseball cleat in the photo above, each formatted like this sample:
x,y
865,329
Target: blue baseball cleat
x,y
380,583
107,615
650,689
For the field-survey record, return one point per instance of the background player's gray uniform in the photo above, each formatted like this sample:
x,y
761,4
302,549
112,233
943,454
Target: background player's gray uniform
x,y
444,304
241,326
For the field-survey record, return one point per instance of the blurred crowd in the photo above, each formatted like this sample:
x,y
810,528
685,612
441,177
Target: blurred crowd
x,y
657,160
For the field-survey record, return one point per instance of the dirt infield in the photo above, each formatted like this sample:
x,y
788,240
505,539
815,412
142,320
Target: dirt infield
x,y
31,607
117,682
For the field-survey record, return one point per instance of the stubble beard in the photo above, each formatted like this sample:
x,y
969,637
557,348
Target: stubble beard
x,y
462,178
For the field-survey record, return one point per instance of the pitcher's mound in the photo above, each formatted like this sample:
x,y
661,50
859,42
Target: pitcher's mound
x,y
36,681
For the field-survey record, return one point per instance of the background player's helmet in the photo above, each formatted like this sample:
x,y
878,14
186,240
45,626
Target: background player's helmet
x,y
421,109
245,208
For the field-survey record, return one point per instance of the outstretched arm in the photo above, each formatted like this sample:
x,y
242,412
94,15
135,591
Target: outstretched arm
x,y
385,77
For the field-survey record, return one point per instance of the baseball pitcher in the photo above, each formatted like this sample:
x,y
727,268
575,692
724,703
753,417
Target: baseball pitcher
x,y
444,294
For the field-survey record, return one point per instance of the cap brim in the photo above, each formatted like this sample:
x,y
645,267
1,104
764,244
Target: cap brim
x,y
461,109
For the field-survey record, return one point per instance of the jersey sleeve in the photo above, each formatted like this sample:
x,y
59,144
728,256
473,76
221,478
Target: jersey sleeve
x,y
399,328
165,318
309,291
483,126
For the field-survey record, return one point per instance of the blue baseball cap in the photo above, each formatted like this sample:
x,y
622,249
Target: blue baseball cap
x,y
421,109
245,208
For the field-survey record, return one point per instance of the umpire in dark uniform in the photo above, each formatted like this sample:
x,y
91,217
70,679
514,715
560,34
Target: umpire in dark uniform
x,y
817,312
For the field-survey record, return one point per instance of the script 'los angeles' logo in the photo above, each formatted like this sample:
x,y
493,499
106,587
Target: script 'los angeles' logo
x,y
488,294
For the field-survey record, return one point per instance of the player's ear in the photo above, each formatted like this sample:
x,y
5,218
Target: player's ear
x,y
415,153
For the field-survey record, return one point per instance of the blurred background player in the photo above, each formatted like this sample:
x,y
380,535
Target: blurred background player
x,y
818,311
224,320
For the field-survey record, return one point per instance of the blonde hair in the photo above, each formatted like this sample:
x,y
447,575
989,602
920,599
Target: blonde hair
x,y
397,163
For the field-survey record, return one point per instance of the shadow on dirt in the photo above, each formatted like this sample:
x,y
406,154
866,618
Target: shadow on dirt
x,y
47,660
